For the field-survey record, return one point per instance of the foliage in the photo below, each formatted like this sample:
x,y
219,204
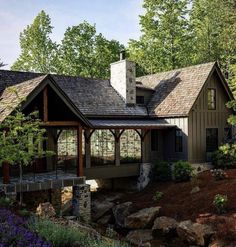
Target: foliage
x,y
82,51
5,201
85,53
219,174
1,64
225,157
162,171
182,171
129,159
61,236
165,38
220,202
158,195
38,51
14,232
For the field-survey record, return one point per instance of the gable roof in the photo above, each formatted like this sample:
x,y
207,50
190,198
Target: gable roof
x,y
93,97
176,91
14,95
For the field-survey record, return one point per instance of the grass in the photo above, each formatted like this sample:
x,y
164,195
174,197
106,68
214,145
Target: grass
x,y
62,236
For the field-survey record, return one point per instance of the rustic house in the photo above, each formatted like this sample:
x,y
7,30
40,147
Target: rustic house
x,y
109,128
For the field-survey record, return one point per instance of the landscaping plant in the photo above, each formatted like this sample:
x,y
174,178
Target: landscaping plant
x,y
225,157
14,232
182,171
219,174
220,202
162,171
158,195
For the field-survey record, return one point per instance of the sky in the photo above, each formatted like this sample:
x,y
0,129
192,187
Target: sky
x,y
115,19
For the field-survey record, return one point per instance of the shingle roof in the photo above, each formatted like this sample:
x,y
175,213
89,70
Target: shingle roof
x,y
176,90
12,96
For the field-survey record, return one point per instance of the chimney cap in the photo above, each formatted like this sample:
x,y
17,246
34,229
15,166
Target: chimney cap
x,y
122,54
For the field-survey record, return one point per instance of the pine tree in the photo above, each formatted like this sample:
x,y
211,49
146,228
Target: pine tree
x,y
166,39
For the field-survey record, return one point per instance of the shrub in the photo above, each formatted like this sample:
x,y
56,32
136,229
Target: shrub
x,y
182,171
158,195
225,157
5,202
162,171
63,236
220,202
219,174
14,231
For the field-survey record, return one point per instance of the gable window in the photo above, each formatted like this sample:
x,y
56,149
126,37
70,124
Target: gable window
x,y
211,140
140,100
211,99
154,140
178,141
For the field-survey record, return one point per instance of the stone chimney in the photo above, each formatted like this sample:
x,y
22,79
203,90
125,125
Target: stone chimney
x,y
123,79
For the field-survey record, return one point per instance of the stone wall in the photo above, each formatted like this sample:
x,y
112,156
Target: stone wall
x,y
123,80
81,202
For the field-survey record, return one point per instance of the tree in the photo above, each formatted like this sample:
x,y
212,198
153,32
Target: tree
x,y
166,39
85,53
1,64
38,51
214,27
21,139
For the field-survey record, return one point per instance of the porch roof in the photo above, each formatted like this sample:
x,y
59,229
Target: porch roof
x,y
131,123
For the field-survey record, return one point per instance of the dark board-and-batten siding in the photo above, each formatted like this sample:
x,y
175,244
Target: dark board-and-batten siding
x,y
200,118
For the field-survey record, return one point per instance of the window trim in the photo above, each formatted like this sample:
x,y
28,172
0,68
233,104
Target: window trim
x,y
210,103
181,138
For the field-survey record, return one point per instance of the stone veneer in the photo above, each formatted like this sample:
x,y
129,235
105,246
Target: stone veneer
x,y
123,80
81,202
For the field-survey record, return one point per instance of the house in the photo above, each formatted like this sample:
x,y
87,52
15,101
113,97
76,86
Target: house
x,y
108,128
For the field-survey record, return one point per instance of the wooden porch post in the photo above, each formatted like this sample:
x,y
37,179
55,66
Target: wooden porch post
x,y
142,136
80,169
87,135
6,173
117,148
45,104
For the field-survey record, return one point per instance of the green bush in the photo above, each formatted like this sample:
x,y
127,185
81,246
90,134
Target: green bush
x,y
158,195
220,202
5,202
182,171
225,157
63,236
162,171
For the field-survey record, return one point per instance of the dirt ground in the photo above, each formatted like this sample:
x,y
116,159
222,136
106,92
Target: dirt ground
x,y
178,202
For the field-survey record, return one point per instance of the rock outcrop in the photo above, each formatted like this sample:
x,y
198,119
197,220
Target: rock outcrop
x,y
45,210
142,219
164,225
121,211
140,237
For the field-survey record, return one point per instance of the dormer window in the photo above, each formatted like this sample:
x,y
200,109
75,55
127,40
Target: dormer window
x,y
211,99
140,100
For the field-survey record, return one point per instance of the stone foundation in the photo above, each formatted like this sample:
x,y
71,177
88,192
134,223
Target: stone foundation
x,y
81,202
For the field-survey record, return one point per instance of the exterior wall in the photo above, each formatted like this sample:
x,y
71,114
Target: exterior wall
x,y
146,93
169,140
123,80
201,118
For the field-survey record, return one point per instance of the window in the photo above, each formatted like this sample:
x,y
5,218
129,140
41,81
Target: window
x,y
140,100
154,140
211,140
130,147
178,141
211,99
102,147
67,143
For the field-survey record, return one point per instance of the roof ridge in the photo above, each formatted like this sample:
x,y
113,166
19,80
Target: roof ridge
x,y
182,68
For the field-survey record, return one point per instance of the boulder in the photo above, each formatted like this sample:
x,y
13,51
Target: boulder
x,y
194,233
140,237
194,190
164,225
142,219
121,211
99,208
45,210
104,220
